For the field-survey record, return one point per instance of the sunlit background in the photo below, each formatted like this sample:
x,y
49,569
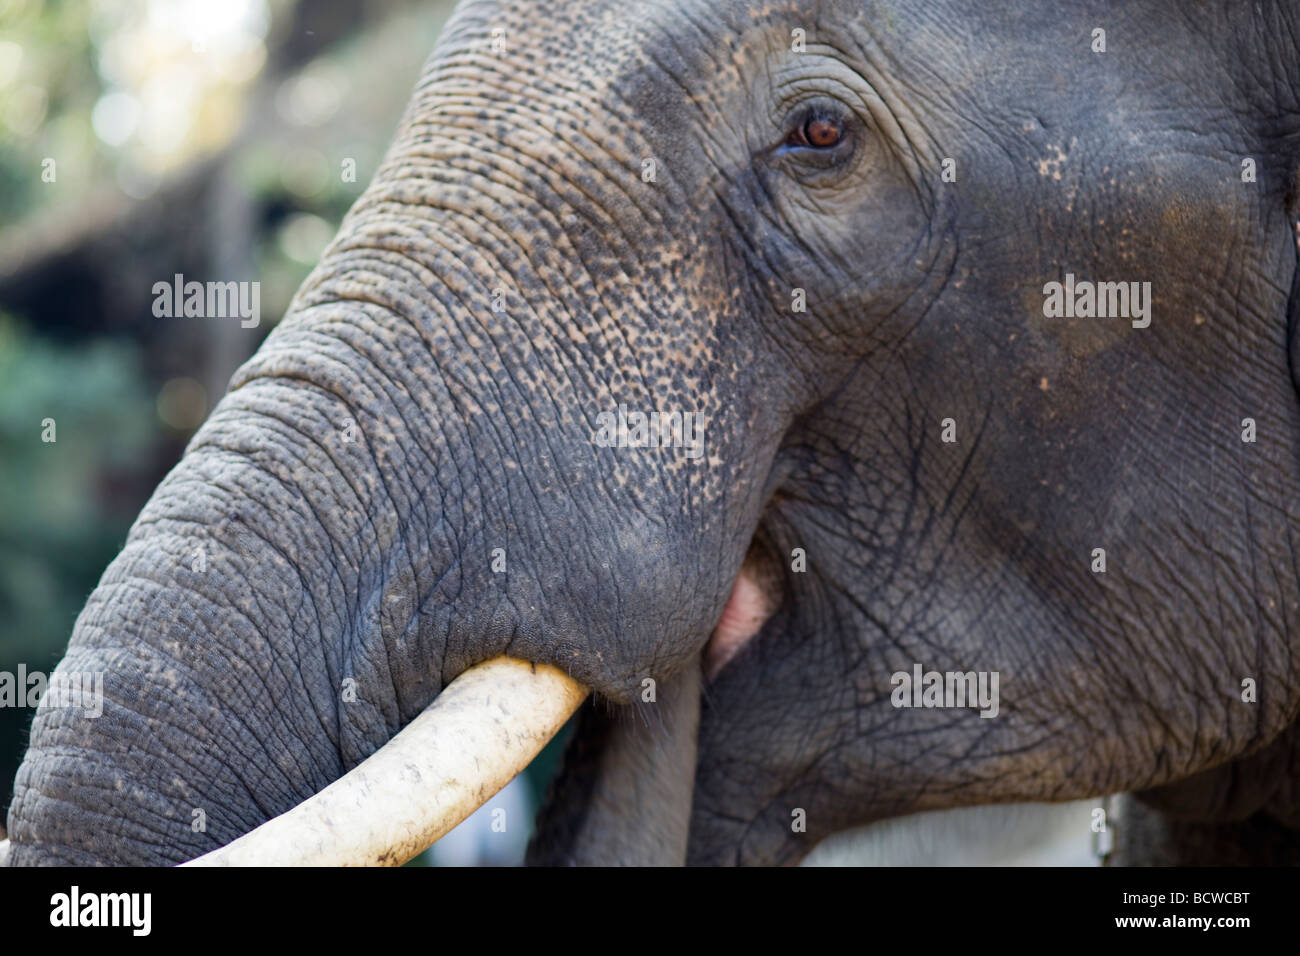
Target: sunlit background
x,y
140,139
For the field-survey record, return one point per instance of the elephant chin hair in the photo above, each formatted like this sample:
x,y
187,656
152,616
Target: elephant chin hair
x,y
497,716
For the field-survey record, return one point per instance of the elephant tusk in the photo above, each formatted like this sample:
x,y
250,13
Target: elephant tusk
x,y
482,730
4,852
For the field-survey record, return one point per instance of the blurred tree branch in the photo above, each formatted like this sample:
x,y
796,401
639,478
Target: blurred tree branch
x,y
89,258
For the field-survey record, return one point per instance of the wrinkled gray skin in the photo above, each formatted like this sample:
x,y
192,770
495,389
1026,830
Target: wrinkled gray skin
x,y
521,172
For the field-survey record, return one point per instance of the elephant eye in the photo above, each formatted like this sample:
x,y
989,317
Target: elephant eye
x,y
823,133
821,139
818,132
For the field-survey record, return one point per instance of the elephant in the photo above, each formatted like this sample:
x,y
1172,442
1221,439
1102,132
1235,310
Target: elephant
x,y
880,407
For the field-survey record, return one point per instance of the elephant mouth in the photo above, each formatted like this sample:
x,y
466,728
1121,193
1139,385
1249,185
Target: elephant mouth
x,y
477,735
747,610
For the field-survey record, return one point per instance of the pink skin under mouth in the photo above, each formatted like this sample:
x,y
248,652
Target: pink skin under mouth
x,y
747,610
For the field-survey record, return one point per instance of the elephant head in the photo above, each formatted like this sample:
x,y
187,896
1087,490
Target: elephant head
x,y
747,364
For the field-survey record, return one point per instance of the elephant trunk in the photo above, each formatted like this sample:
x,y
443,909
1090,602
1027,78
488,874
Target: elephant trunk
x,y
427,465
304,583
394,490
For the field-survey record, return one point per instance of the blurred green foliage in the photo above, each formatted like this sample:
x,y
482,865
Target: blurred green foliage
x,y
59,522
48,87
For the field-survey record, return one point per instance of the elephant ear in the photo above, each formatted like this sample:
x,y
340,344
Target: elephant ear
x,y
1286,805
1293,304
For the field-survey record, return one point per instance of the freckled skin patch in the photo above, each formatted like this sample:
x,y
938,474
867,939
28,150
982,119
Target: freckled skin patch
x,y
516,178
